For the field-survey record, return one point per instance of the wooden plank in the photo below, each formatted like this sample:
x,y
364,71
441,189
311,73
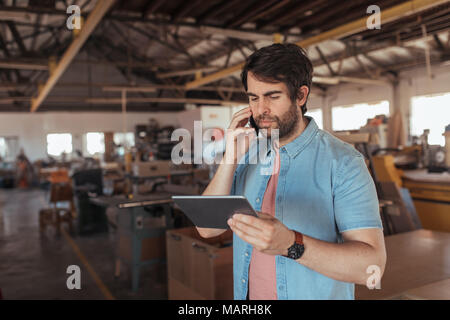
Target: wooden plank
x,y
96,15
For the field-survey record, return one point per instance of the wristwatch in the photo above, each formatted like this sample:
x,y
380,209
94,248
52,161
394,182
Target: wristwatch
x,y
296,250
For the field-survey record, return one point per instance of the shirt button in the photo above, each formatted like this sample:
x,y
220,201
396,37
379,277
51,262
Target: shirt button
x,y
243,280
246,254
257,200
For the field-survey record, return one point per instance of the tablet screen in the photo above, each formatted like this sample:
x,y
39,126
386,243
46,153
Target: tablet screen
x,y
213,211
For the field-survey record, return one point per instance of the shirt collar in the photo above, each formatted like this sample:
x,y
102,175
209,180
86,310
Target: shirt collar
x,y
298,144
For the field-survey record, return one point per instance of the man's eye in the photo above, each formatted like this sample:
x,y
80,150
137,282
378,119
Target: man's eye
x,y
274,97
253,99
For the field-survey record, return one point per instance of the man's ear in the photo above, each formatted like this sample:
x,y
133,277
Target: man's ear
x,y
302,95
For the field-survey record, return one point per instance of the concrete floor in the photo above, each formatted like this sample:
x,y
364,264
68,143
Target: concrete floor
x,y
33,265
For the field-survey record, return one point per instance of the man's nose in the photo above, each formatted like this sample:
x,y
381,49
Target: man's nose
x,y
263,107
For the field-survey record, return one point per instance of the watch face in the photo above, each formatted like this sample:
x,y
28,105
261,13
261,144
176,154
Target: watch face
x,y
296,251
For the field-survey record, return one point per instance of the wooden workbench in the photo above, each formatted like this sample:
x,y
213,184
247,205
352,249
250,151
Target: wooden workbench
x,y
416,261
431,196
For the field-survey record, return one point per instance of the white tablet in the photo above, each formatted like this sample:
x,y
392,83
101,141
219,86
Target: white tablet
x,y
213,211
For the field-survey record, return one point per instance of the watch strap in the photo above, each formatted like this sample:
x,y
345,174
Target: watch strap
x,y
298,237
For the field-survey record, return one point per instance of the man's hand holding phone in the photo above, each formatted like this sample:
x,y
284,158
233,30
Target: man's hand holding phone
x,y
239,137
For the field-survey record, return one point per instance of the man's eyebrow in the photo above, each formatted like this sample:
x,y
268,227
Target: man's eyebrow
x,y
268,93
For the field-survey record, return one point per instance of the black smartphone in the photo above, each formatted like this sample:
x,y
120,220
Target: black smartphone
x,y
253,124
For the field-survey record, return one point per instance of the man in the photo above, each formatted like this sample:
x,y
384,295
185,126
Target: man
x,y
319,228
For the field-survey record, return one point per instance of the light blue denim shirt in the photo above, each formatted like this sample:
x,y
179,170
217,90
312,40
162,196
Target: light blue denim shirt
x,y
324,189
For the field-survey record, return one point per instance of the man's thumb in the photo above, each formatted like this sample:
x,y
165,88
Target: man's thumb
x,y
264,215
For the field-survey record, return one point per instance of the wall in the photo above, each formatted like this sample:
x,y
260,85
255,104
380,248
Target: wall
x,y
411,83
32,128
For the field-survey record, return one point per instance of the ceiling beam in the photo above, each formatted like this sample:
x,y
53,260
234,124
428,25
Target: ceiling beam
x,y
250,13
177,73
338,79
238,34
4,86
379,46
7,54
297,11
8,87
18,16
152,88
217,9
96,15
270,10
151,7
164,100
118,101
439,43
22,65
184,10
17,37
358,25
324,59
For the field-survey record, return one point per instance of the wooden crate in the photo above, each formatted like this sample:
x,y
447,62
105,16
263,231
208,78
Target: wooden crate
x,y
199,268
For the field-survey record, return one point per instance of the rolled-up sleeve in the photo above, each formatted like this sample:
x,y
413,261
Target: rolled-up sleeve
x,y
355,197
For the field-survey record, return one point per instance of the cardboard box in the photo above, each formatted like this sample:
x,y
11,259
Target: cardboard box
x,y
199,268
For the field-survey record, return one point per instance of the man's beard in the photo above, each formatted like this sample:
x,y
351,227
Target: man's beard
x,y
286,125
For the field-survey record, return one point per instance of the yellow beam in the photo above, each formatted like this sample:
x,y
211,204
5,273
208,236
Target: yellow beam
x,y
96,15
387,15
215,76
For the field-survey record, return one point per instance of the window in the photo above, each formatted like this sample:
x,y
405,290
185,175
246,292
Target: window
x,y
59,143
95,143
430,112
9,148
3,148
355,116
124,141
316,114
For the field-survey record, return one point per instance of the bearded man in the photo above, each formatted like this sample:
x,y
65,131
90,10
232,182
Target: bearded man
x,y
318,228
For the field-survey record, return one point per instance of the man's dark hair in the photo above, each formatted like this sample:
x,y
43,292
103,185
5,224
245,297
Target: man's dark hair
x,y
278,62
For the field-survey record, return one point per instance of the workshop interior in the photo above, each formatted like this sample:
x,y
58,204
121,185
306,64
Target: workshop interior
x,y
94,95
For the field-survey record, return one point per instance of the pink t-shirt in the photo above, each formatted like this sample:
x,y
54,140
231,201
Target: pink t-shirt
x,y
262,272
